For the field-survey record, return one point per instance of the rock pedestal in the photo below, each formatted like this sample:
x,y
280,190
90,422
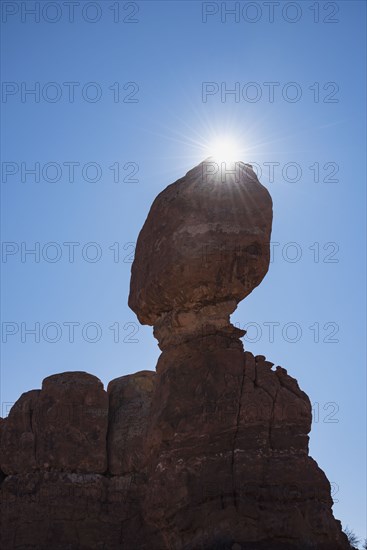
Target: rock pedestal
x,y
210,452
229,465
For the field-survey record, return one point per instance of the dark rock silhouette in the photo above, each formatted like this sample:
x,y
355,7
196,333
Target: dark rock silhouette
x,y
130,402
208,452
62,427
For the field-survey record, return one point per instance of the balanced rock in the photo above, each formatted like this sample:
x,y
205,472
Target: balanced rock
x,y
204,247
208,453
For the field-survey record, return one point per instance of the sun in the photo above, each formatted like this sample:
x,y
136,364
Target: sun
x,y
224,149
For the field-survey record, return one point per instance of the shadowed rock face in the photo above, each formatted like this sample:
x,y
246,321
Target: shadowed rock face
x,y
61,427
204,247
210,452
129,398
18,442
229,460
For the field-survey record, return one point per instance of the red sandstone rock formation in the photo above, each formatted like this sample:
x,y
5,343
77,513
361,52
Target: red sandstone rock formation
x,y
208,453
215,454
229,457
129,398
204,247
62,427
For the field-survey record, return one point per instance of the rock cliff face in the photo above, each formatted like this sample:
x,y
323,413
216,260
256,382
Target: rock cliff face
x,y
208,452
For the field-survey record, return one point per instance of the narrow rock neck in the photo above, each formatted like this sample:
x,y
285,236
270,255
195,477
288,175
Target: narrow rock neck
x,y
174,328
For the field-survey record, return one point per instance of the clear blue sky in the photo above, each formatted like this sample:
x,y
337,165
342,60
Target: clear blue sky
x,y
161,125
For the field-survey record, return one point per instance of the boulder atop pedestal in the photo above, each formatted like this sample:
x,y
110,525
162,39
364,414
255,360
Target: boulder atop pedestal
x,y
209,452
205,246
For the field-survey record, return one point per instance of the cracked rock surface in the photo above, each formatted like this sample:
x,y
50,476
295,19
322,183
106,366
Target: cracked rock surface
x,y
229,460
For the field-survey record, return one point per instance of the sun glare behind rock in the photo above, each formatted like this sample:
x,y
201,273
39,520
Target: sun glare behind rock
x,y
225,150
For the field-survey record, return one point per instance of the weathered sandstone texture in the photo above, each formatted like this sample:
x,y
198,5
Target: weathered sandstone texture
x,y
210,452
62,427
204,247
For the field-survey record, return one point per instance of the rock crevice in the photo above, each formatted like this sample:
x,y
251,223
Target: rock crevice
x,y
235,435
